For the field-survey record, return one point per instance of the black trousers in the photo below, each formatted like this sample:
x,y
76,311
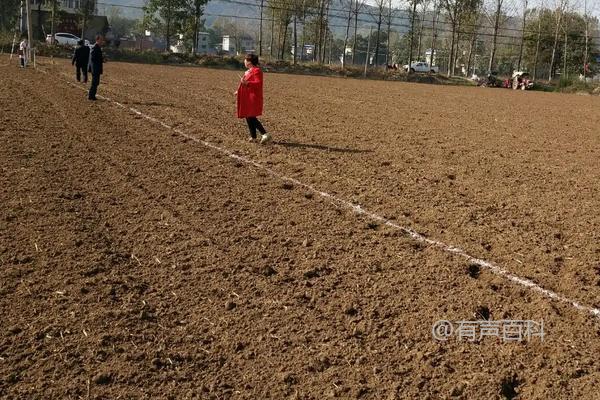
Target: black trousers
x,y
94,86
253,125
81,70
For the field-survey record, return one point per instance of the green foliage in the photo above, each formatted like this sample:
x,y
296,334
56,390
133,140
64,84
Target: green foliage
x,y
545,21
9,12
165,18
121,26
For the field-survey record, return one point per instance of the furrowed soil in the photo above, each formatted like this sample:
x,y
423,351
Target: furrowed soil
x,y
137,262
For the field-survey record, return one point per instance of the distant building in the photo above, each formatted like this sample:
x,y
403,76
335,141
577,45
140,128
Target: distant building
x,y
69,20
235,45
203,38
306,52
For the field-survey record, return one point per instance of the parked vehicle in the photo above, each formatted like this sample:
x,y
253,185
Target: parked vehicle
x,y
422,67
67,39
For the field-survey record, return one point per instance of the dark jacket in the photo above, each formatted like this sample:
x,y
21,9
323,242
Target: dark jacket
x,y
96,60
81,56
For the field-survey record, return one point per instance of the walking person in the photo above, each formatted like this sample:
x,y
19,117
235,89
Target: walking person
x,y
250,98
81,59
23,48
96,61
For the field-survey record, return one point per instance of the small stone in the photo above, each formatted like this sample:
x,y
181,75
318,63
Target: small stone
x,y
268,271
14,330
230,305
102,378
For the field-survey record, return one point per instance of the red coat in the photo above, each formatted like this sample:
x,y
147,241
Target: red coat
x,y
250,96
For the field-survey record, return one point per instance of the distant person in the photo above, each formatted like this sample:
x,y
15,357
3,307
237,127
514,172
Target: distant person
x,y
81,59
250,98
96,61
23,47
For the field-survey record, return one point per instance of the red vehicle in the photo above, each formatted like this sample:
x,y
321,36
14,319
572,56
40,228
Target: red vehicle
x,y
521,81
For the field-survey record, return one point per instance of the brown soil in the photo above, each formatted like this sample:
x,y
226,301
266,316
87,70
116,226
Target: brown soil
x,y
136,263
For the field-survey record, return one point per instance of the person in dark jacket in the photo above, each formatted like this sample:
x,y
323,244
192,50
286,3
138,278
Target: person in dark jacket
x,y
96,61
81,59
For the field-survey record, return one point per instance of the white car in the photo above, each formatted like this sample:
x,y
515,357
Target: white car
x,y
65,39
422,67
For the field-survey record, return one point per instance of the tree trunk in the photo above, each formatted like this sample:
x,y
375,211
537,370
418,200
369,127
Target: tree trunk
x,y
303,33
355,32
284,41
587,43
537,47
471,48
325,31
272,44
379,21
389,30
347,34
260,29
555,46
53,22
295,39
168,21
495,38
368,51
451,54
412,34
433,34
422,23
279,40
565,72
196,26
522,35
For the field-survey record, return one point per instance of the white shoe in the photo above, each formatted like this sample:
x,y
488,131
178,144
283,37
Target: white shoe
x,y
252,139
266,138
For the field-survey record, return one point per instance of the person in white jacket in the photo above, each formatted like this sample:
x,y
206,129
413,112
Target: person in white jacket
x,y
23,48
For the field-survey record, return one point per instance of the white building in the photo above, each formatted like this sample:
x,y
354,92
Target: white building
x,y
428,59
237,45
202,43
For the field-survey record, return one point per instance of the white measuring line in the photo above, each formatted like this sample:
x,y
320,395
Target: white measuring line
x,y
361,211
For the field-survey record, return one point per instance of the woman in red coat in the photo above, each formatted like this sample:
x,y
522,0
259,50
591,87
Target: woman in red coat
x,y
250,98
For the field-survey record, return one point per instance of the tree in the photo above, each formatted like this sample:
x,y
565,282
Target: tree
x,y
349,21
9,12
165,17
358,5
524,22
453,9
85,11
561,7
194,9
119,25
498,18
413,15
380,5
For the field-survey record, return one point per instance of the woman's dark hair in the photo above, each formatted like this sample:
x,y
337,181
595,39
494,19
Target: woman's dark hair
x,y
253,58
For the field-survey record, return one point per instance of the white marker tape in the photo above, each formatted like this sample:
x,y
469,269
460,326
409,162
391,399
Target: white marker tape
x,y
359,210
